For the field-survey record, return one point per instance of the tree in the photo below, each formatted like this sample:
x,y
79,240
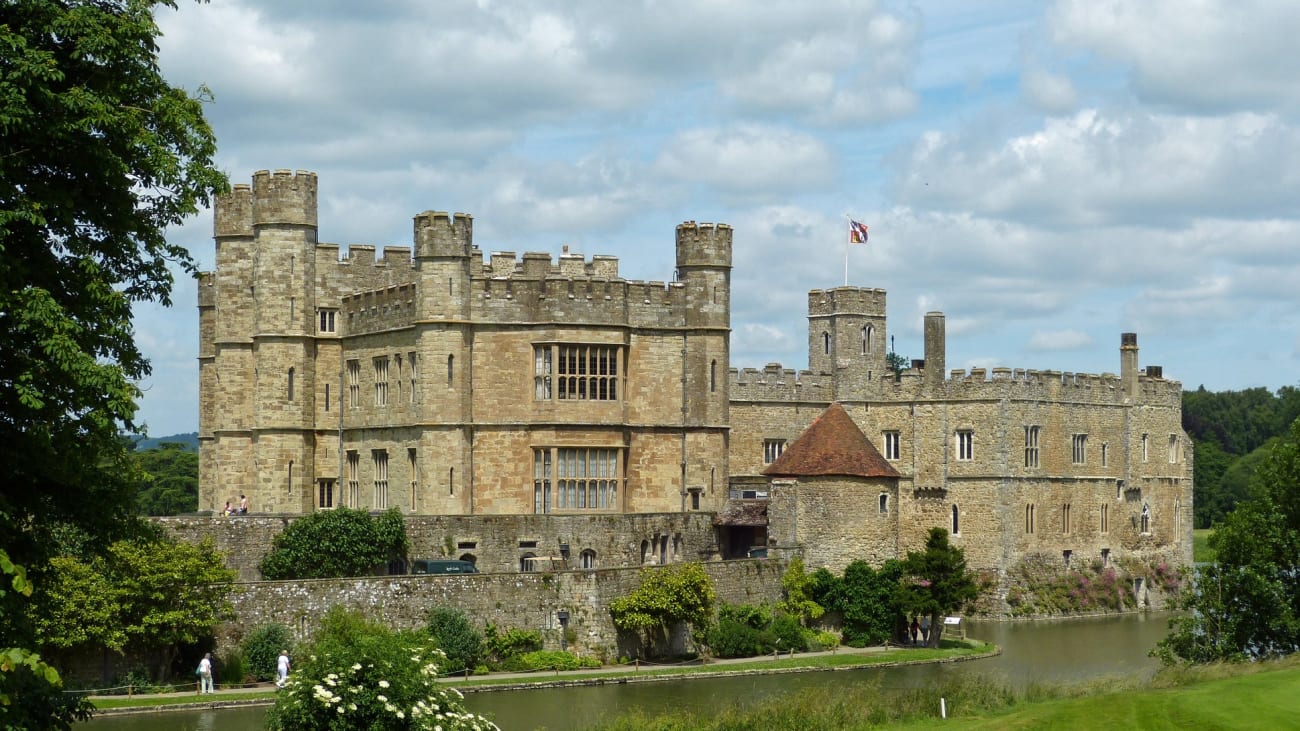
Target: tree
x,y
936,581
151,595
100,156
458,640
798,586
1247,605
667,596
865,598
332,544
31,692
170,484
897,363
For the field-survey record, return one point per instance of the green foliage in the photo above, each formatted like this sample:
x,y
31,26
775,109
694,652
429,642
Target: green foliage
x,y
1231,431
797,587
1247,606
500,648
456,637
730,638
537,660
100,156
865,597
362,675
261,649
170,480
897,362
232,669
681,593
337,543
149,594
31,692
936,581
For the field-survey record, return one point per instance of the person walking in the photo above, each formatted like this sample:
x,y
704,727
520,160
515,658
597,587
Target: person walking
x,y
205,673
925,629
282,669
915,628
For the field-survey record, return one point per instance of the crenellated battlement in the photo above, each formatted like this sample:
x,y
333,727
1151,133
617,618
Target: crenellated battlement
x,y
776,383
703,245
380,309
846,300
284,197
439,234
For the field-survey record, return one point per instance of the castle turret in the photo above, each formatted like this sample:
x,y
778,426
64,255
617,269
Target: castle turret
x,y
935,351
443,244
846,339
704,267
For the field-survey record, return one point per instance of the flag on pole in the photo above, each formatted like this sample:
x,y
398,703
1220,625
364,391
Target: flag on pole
x,y
857,232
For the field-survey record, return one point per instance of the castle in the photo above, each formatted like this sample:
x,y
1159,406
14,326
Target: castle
x,y
444,383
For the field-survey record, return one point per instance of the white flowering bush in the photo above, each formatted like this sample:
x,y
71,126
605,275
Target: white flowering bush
x,y
358,675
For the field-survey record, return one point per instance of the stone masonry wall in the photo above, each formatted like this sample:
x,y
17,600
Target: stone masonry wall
x,y
508,600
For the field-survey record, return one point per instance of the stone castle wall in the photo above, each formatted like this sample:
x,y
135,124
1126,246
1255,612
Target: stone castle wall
x,y
508,600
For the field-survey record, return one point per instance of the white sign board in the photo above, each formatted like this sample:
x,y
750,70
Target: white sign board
x,y
952,620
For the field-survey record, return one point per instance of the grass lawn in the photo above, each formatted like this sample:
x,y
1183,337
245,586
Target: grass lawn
x,y
1264,700
176,699
1201,551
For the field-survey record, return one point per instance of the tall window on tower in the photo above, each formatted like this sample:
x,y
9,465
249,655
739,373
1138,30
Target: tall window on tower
x,y
380,458
965,445
381,381
772,449
1031,446
891,445
569,372
354,384
1080,449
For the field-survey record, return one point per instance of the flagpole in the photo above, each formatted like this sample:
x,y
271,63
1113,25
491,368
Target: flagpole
x,y
847,245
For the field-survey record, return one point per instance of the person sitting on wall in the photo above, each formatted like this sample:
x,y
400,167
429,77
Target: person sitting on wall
x,y
226,511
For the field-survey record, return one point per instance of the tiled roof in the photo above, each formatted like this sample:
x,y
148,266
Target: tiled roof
x,y
742,512
831,445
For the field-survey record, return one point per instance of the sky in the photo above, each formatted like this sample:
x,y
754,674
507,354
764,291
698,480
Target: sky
x,y
1047,174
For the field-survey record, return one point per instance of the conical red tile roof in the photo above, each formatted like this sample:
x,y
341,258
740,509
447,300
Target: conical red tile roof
x,y
831,445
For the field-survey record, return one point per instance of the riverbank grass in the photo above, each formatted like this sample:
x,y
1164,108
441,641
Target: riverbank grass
x,y
1201,551
1228,697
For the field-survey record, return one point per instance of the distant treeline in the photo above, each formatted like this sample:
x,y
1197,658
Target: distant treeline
x,y
1232,430
167,470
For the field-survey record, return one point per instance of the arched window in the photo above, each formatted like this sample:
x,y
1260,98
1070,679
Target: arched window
x,y
525,565
469,558
1065,518
713,376
884,503
290,477
645,550
663,550
1029,518
956,526
587,559
826,342
451,369
451,481
868,332
290,384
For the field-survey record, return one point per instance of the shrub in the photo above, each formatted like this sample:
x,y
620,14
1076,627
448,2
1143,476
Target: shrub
x,y
232,668
500,648
822,641
549,660
338,543
454,635
262,648
788,633
360,675
729,638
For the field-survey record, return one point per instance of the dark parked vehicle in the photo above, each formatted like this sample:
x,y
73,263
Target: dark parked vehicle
x,y
440,566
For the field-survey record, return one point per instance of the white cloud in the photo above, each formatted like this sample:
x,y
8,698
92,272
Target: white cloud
x,y
1205,55
1060,340
1053,93
747,159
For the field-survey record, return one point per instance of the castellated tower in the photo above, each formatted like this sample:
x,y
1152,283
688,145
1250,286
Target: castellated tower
x,y
847,340
256,415
704,267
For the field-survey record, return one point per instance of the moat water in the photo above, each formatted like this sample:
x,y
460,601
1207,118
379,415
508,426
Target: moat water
x,y
1065,651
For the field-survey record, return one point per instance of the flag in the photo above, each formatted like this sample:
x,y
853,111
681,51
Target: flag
x,y
857,232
